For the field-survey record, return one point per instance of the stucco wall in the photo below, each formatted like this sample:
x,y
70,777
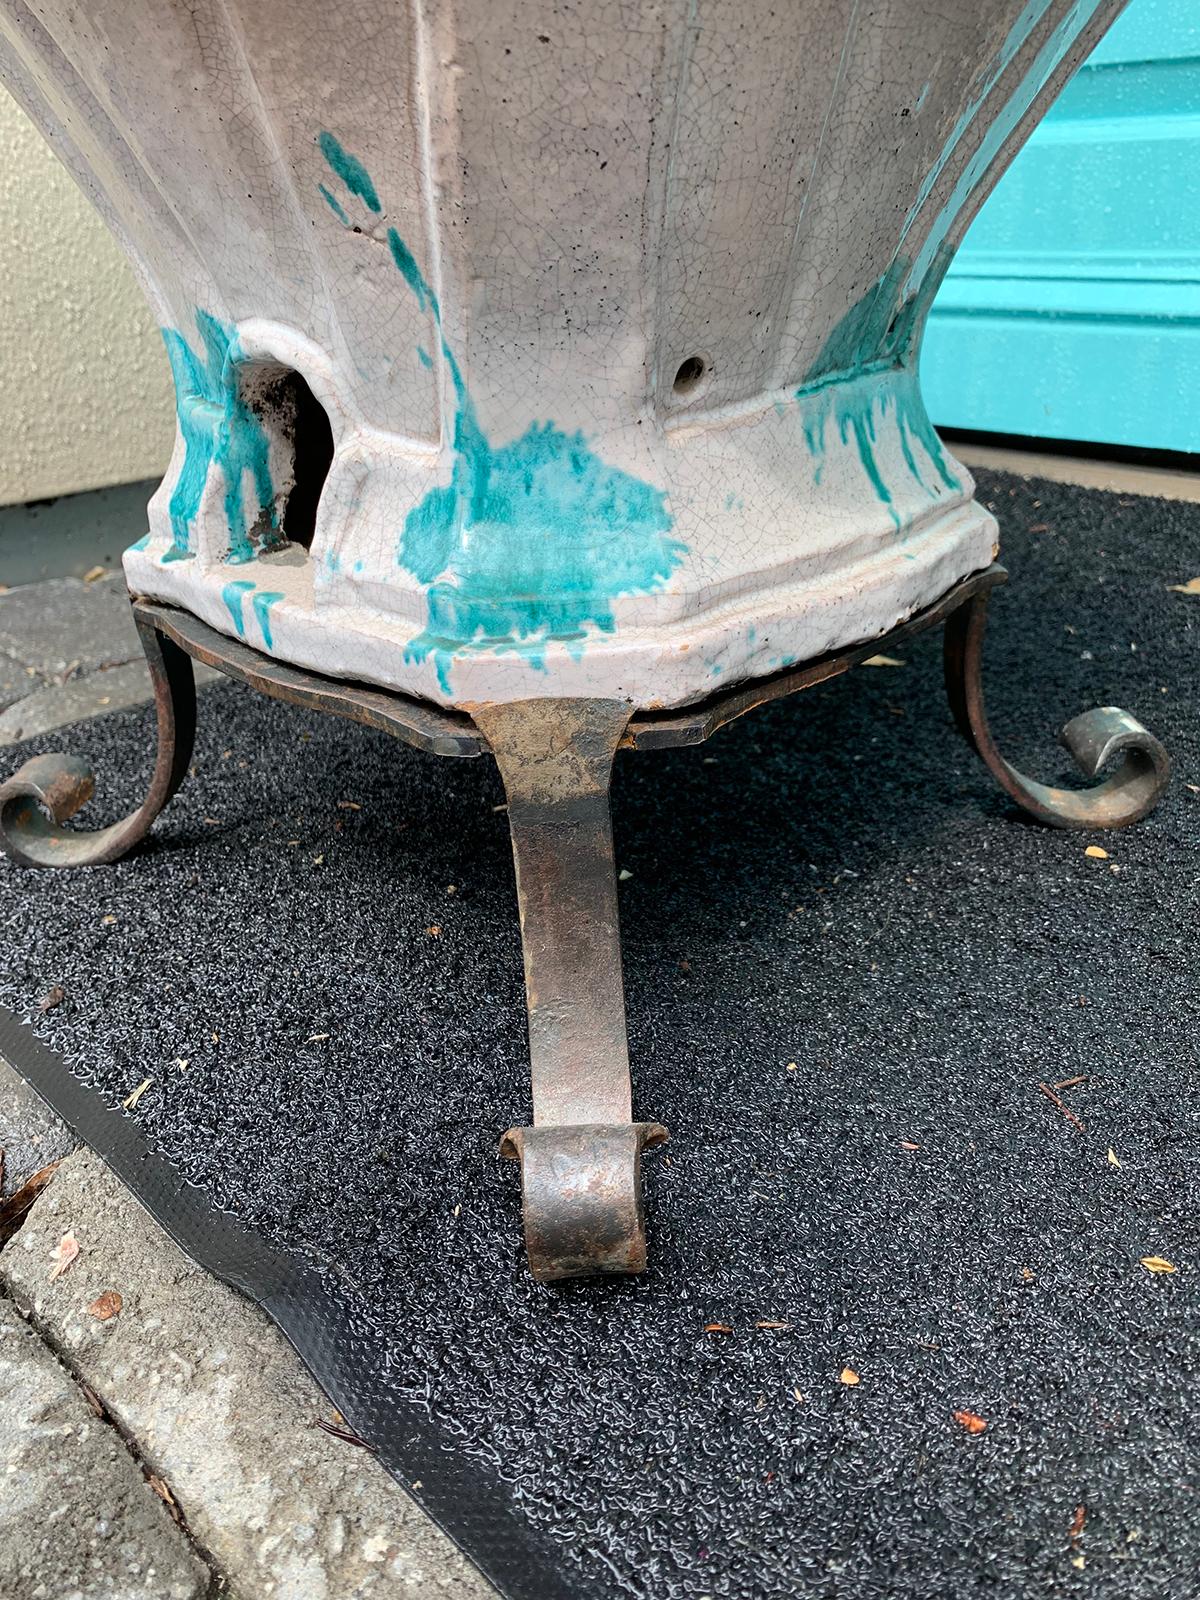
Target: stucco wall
x,y
85,392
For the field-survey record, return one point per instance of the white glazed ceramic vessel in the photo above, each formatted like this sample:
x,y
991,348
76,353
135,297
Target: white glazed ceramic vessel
x,y
614,313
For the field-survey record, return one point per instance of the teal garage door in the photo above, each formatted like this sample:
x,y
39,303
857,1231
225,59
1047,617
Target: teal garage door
x,y
1072,310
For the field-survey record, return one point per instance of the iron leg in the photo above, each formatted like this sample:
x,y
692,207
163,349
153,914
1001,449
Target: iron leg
x,y
49,789
580,1161
1093,739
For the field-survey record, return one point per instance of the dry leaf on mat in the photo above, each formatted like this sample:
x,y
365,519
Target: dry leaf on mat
x,y
1158,1264
970,1421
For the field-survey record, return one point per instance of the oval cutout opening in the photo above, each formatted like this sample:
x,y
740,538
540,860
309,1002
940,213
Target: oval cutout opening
x,y
691,374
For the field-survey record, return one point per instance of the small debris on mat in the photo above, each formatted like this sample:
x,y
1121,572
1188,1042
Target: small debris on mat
x,y
882,661
1065,1109
131,1100
772,1324
907,1144
1192,586
90,1395
970,1421
14,1209
1096,852
1112,1158
1075,1531
349,805
54,996
162,1490
346,1435
1157,1264
717,1327
93,574
849,1377
65,1252
624,875
106,1306
1070,1083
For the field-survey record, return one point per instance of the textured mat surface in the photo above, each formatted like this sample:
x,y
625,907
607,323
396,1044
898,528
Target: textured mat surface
x,y
850,965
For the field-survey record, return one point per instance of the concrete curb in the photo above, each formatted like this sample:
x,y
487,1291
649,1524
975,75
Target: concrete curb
x,y
215,1404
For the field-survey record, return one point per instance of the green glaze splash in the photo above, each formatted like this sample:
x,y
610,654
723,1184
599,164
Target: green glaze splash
x,y
883,327
335,205
529,542
411,274
857,407
261,607
351,171
219,429
876,332
913,423
234,595
877,339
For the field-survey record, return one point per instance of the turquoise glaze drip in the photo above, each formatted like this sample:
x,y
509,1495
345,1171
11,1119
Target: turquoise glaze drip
x,y
335,205
529,542
351,172
234,595
857,407
882,330
261,607
219,429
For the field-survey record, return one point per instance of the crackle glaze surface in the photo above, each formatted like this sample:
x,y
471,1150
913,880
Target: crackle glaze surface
x,y
614,311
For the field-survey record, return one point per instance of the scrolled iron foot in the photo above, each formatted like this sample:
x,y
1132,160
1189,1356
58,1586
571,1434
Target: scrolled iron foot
x,y
581,1159
582,1195
49,789
1094,740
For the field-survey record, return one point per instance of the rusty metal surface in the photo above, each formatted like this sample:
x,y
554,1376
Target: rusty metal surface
x,y
424,726
50,789
665,730
1093,739
442,732
579,1161
581,1188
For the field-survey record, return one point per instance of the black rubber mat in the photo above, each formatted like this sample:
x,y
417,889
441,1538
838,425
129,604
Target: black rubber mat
x,y
850,967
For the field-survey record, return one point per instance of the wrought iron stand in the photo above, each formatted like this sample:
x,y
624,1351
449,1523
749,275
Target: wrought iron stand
x,y
580,1161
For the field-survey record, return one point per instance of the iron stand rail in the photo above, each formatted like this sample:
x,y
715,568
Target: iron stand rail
x,y
580,1160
